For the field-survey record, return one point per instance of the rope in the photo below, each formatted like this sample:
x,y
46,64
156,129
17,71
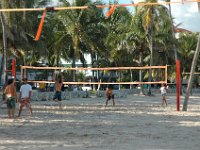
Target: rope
x,y
97,83
40,9
98,6
109,68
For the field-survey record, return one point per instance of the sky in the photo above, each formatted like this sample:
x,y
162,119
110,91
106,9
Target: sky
x,y
185,14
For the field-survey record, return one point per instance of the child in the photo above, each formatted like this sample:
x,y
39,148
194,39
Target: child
x,y
163,90
109,95
10,97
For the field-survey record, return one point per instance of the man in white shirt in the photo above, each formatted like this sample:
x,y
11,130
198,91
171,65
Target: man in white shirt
x,y
24,97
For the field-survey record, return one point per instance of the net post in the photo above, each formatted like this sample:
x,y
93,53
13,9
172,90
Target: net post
x,y
22,73
13,68
178,84
166,74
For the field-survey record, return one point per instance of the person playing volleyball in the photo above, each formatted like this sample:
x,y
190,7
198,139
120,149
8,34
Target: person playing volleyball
x,y
10,97
25,96
163,91
58,89
109,95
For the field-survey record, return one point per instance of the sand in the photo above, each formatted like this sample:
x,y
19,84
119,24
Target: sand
x,y
136,123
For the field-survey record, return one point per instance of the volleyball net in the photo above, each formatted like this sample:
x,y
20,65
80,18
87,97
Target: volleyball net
x,y
97,76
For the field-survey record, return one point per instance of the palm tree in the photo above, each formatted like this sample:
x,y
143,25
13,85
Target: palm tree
x,y
157,26
187,45
119,40
74,35
194,62
20,30
4,62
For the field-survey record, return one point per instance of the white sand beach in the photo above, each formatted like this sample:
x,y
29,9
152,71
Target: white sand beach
x,y
136,123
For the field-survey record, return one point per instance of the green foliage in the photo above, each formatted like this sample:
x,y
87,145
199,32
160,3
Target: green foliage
x,y
187,43
124,39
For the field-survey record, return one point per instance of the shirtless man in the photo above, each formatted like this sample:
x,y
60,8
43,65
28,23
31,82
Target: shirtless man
x,y
10,97
109,95
58,90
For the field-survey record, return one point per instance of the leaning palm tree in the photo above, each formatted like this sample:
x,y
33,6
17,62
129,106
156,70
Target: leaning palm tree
x,y
194,62
187,45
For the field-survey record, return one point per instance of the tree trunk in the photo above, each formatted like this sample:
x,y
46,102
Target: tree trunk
x,y
73,66
92,59
151,62
141,92
173,34
189,87
151,50
4,62
2,68
131,73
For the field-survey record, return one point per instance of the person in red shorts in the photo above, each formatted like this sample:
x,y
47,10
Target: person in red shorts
x,y
24,97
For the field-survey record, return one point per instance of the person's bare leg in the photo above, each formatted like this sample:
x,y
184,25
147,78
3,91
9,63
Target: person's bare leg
x,y
162,101
30,110
9,113
13,112
113,102
106,103
20,110
165,101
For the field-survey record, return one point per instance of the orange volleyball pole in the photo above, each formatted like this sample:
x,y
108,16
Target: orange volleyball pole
x,y
13,68
37,37
178,84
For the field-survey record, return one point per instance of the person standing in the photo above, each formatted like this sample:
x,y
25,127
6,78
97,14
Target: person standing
x,y
58,91
24,97
10,97
109,95
163,91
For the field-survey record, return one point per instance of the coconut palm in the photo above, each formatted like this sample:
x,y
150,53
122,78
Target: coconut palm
x,y
187,45
73,32
119,40
189,87
156,23
20,29
4,59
